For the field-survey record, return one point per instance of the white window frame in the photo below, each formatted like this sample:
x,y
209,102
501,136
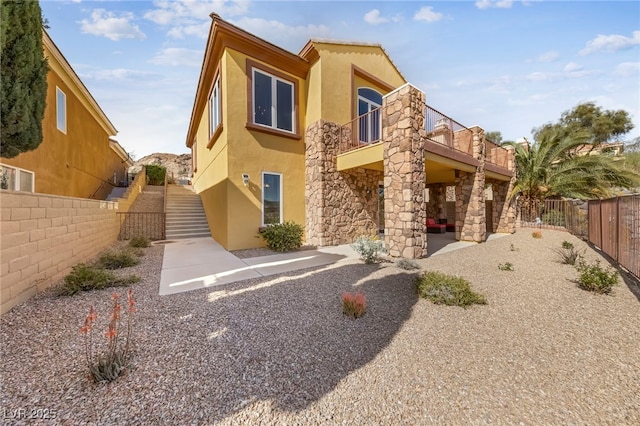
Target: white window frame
x,y
370,118
18,170
61,96
214,108
279,191
274,101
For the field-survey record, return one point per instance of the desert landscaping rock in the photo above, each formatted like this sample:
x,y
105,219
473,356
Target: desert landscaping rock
x,y
277,350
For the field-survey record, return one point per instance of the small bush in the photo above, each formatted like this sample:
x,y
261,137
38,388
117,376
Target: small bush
x,y
443,289
567,245
554,217
118,259
536,234
507,266
594,278
369,248
354,305
568,254
407,264
139,242
284,236
85,277
155,174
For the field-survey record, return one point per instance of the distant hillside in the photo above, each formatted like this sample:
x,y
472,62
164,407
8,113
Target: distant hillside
x,y
178,166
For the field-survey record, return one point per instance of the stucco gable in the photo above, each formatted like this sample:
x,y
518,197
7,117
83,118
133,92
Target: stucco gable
x,y
59,64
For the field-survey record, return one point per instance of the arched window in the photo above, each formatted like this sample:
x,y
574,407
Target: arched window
x,y
370,125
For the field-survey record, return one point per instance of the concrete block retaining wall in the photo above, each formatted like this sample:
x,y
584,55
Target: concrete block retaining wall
x,y
43,236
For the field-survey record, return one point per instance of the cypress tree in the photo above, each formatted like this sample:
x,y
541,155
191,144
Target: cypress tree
x,y
23,80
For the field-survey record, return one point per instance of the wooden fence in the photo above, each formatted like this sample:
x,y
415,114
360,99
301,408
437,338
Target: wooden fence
x,y
612,225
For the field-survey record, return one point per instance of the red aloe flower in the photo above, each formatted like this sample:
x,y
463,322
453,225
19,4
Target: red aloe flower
x,y
132,303
116,312
111,333
88,321
92,315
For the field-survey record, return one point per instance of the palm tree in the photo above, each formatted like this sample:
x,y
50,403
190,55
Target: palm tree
x,y
550,168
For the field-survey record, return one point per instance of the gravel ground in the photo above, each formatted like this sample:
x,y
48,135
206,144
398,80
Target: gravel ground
x,y
277,350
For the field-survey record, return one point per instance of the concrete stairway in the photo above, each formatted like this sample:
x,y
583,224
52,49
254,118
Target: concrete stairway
x,y
185,214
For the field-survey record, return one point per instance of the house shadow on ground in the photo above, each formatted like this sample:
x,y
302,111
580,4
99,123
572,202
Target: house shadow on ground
x,y
286,340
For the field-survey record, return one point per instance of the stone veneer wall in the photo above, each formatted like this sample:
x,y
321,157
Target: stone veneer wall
x,y
403,131
43,236
470,202
504,212
339,205
504,209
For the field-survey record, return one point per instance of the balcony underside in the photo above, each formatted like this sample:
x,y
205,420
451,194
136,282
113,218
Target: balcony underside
x,y
441,162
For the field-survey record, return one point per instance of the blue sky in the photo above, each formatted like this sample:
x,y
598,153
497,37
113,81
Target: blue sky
x,y
506,66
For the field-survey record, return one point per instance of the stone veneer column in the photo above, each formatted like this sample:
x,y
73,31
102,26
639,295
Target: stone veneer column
x,y
504,209
339,205
403,114
471,224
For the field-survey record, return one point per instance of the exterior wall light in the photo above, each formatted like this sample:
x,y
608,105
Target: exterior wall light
x,y
245,179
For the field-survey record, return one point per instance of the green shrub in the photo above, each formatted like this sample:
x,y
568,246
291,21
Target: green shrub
x,y
553,217
507,266
594,278
568,254
369,248
155,174
85,277
118,259
443,289
407,264
284,236
139,242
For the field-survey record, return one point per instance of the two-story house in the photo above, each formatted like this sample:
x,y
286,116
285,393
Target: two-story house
x,y
333,138
77,156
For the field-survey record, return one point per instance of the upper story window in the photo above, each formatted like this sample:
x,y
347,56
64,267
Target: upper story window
x,y
273,101
61,110
370,125
214,108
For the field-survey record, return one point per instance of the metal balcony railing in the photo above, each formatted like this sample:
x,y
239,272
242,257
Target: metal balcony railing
x,y
362,131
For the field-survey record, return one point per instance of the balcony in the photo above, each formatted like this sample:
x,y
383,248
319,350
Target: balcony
x,y
446,142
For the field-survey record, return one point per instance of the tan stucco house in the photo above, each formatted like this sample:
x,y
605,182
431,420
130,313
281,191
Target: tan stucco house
x,y
334,138
78,156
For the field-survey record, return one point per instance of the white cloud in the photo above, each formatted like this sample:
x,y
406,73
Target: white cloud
x,y
117,74
627,69
199,30
183,12
373,17
549,56
176,56
572,67
107,24
501,4
284,35
539,76
427,14
611,43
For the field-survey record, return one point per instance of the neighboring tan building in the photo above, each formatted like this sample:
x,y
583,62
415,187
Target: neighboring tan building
x,y
77,156
336,139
